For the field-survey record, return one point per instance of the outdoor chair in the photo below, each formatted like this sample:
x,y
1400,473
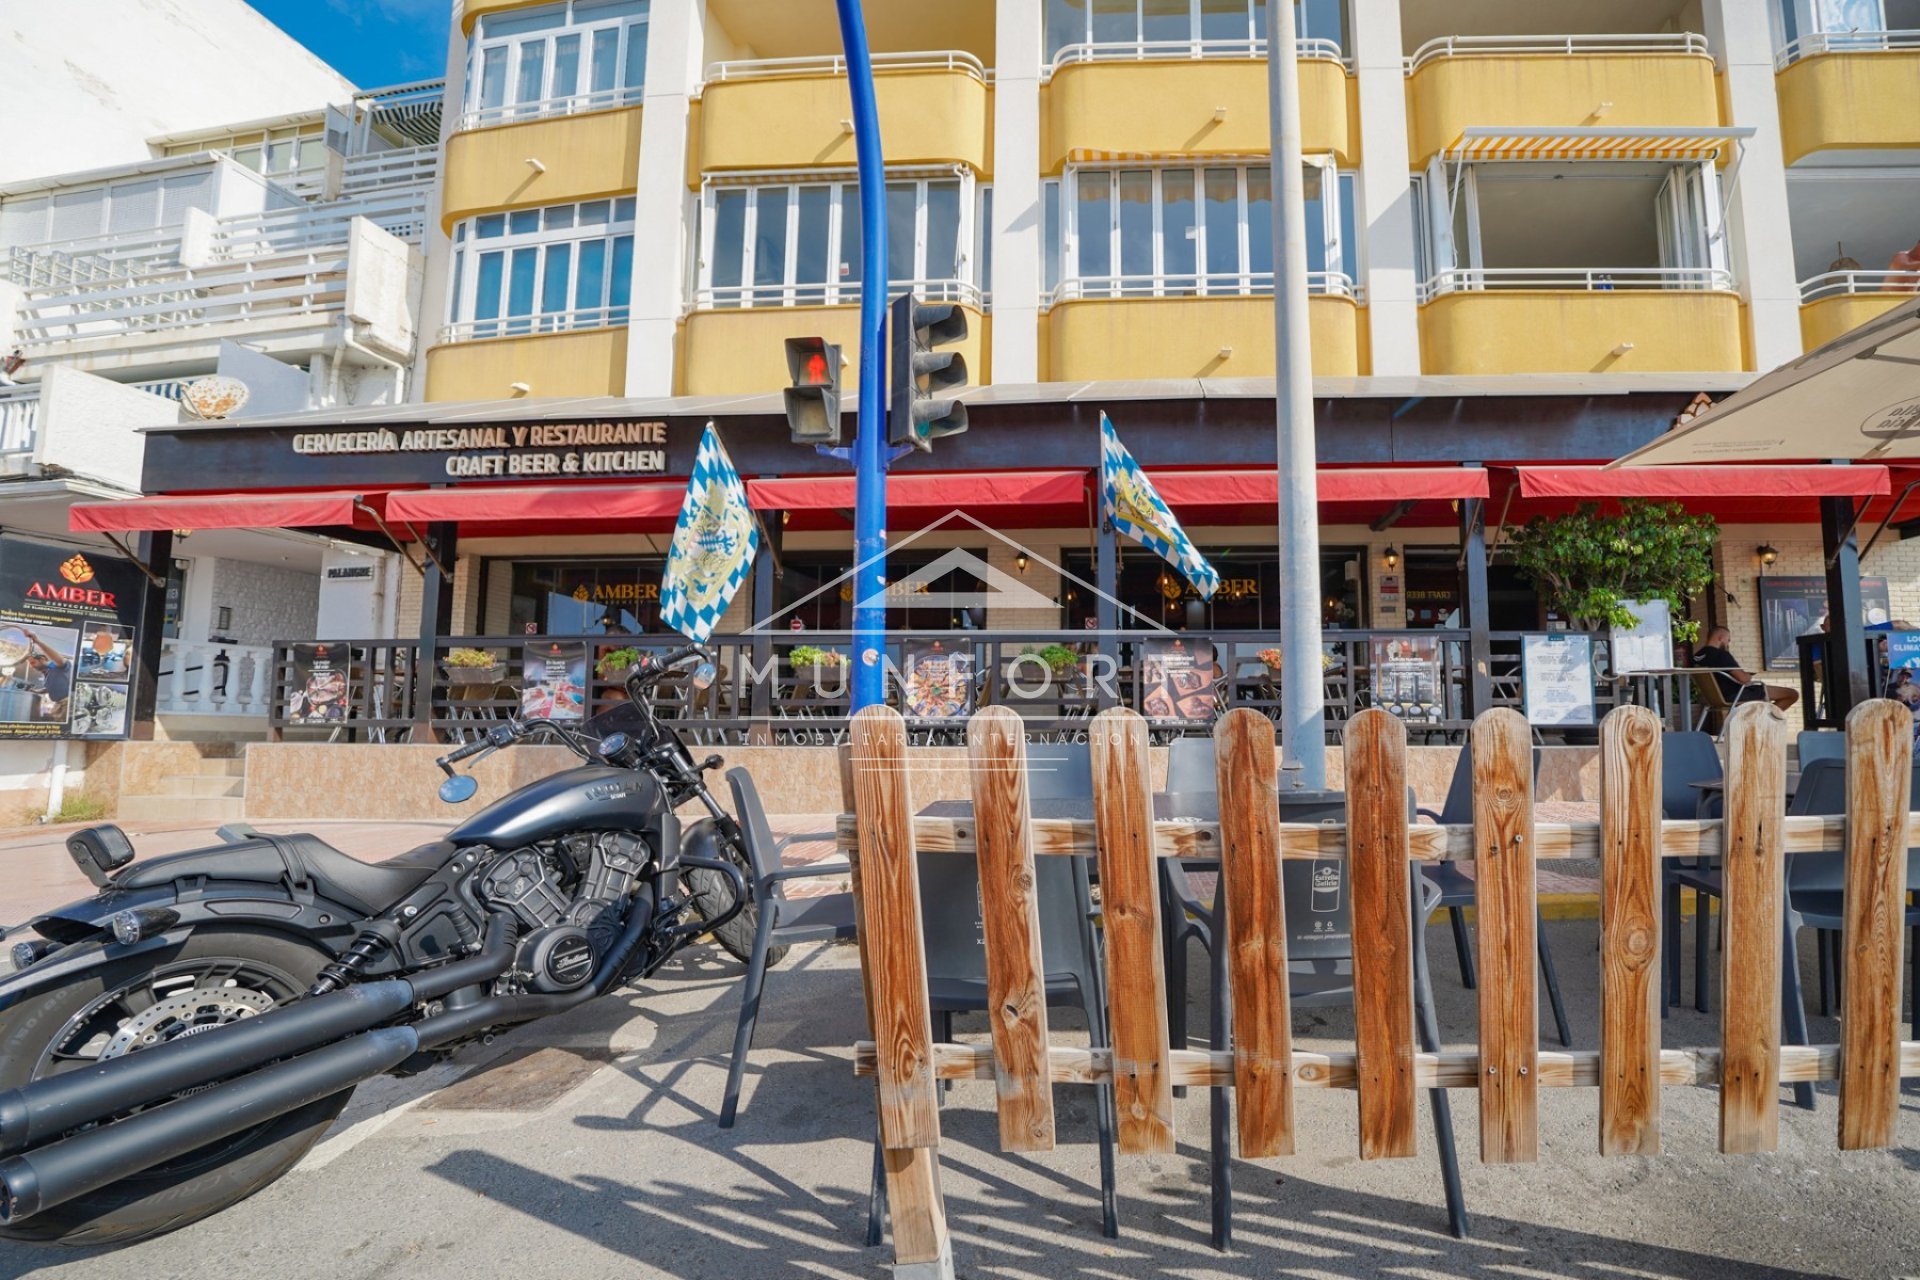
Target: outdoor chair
x,y
1685,759
1319,975
1713,699
1456,889
783,921
1820,744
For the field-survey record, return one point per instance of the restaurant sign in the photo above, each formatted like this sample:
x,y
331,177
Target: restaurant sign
x,y
524,449
67,649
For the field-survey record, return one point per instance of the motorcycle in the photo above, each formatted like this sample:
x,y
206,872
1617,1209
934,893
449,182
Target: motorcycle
x,y
179,1040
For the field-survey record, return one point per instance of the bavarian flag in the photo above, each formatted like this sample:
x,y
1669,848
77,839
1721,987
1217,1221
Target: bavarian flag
x,y
713,544
1137,510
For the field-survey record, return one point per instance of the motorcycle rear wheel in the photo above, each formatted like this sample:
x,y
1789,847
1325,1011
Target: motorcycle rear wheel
x,y
68,1027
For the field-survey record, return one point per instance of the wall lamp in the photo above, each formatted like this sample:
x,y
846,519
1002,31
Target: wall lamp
x,y
1021,560
1768,556
1391,556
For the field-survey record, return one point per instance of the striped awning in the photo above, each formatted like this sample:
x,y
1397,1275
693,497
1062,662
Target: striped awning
x,y
1568,143
1092,155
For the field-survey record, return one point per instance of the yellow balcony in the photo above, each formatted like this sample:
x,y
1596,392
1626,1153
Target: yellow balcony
x,y
1578,330
1090,339
581,157
1572,81
741,351
1191,107
790,113
471,11
583,362
1847,94
1838,301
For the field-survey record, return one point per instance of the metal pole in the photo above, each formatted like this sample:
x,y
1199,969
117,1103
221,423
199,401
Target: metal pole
x,y
870,438
1303,716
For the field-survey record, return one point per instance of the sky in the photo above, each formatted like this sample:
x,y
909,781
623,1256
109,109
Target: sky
x,y
374,43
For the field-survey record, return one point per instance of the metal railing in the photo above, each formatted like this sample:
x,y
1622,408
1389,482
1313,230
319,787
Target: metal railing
x,y
301,284
1576,279
401,212
1819,42
382,170
571,104
1664,42
79,262
1307,49
1833,284
836,65
1325,284
543,322
830,294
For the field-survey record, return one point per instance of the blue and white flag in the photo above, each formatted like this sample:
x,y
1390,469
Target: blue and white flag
x,y
1138,511
713,544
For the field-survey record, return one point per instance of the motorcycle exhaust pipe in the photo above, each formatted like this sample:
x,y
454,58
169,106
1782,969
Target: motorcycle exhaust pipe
x,y
39,1112
50,1176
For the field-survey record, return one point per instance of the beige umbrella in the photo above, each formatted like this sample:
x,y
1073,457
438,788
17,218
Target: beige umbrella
x,y
1858,397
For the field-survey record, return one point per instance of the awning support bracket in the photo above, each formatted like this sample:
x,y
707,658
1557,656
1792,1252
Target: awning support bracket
x,y
381,524
1393,516
134,560
1892,512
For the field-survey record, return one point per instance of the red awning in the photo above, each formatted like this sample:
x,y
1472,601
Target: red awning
x,y
223,511
1341,484
961,489
1704,482
518,503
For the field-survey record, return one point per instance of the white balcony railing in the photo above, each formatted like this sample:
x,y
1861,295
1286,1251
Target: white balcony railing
x,y
836,65
1314,49
1679,42
1833,284
19,419
292,285
384,170
1324,284
840,293
572,104
213,679
1820,42
401,211
529,325
1576,280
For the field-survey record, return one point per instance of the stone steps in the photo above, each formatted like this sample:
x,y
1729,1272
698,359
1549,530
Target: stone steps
x,y
213,809
212,789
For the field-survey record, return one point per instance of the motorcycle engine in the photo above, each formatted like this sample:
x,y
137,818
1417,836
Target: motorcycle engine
x,y
566,932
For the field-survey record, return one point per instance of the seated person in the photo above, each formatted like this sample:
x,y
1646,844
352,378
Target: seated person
x,y
1736,683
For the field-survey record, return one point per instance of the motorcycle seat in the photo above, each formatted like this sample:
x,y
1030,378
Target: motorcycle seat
x,y
367,887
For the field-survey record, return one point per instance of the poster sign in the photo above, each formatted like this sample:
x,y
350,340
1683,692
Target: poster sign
x,y
1176,680
937,683
1557,673
317,690
1903,650
1791,607
555,681
1406,677
67,621
1648,644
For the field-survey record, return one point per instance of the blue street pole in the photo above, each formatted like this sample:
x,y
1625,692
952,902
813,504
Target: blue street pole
x,y
870,438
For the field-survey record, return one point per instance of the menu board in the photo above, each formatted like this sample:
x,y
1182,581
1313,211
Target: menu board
x,y
1557,673
317,690
1791,607
1406,677
937,681
1648,644
1176,680
554,685
67,641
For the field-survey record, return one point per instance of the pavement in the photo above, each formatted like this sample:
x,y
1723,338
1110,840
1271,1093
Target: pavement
x,y
586,1146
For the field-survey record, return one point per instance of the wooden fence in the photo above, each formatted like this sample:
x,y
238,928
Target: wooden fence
x,y
1384,1067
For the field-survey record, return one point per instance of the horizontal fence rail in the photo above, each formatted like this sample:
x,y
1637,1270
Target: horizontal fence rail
x,y
831,293
1328,284
1819,42
1569,46
292,285
1834,284
1376,850
836,65
571,104
1579,279
1305,49
537,322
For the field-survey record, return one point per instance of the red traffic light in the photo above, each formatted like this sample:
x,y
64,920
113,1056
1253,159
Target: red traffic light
x,y
815,371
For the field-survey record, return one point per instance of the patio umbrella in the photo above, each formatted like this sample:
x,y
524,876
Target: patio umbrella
x,y
1858,397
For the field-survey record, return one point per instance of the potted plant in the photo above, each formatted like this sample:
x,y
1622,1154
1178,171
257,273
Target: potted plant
x,y
1273,660
613,665
473,666
818,671
1061,662
1588,564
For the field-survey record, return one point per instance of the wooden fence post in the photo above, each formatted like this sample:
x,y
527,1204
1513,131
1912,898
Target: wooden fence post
x,y
1505,907
1750,954
1255,934
1010,920
1130,905
1378,870
1630,837
1879,780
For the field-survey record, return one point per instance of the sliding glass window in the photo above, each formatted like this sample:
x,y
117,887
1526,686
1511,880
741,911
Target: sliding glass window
x,y
542,270
1092,30
556,60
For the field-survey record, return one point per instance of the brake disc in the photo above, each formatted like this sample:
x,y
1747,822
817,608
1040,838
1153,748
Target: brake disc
x,y
185,1013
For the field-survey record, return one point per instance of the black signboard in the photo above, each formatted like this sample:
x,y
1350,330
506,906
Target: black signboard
x,y
1176,680
1791,607
317,691
67,640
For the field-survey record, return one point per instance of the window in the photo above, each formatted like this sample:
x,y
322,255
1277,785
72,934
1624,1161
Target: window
x,y
586,597
556,60
1171,232
543,270
777,245
1226,28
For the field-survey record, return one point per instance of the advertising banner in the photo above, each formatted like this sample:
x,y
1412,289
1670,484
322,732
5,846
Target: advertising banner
x,y
1406,677
1176,680
555,681
1791,607
1557,672
937,683
317,684
67,641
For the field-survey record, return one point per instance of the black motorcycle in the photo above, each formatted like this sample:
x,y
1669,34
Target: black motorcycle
x,y
178,1041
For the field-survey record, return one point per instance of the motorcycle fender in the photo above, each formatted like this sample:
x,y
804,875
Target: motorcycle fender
x,y
64,966
700,838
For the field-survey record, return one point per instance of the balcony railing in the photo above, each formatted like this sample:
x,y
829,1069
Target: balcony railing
x,y
834,294
1819,42
1833,284
214,679
1568,46
1184,51
1327,284
529,325
836,65
383,170
293,285
1575,279
401,212
572,104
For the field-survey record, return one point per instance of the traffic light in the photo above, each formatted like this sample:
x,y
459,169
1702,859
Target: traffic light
x,y
926,380
813,401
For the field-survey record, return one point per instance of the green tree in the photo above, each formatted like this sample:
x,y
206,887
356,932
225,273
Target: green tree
x,y
1587,564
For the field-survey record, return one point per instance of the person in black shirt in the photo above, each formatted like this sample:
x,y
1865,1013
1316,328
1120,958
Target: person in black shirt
x,y
1735,681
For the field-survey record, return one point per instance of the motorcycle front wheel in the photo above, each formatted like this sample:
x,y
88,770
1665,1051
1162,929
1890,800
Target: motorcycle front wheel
x,y
711,895
214,977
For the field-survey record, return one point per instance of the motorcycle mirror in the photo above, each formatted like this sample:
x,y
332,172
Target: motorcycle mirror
x,y
703,676
458,789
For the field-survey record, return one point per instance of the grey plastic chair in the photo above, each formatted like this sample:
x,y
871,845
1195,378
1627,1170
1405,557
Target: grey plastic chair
x,y
1685,758
1060,771
783,921
1820,744
1190,765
